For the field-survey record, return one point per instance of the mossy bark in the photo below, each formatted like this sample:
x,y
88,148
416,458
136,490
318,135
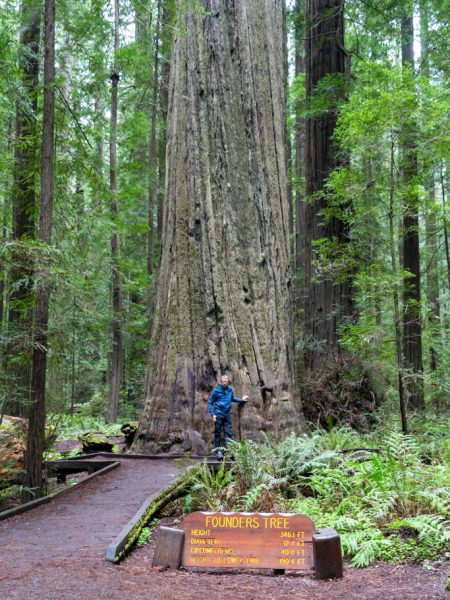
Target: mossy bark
x,y
224,293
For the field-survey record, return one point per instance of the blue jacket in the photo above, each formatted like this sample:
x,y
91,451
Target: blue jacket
x,y
221,399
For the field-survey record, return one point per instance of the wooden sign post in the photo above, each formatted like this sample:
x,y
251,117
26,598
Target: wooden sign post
x,y
256,541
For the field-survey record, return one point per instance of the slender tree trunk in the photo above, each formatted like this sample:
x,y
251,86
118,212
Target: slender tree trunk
x,y
35,438
4,235
432,267
23,217
445,227
327,302
98,108
224,288
3,273
412,322
117,350
143,84
395,294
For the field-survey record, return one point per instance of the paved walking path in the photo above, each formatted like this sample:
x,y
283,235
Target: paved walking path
x,y
45,552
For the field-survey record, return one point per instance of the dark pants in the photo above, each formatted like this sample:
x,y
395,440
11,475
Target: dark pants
x,y
222,422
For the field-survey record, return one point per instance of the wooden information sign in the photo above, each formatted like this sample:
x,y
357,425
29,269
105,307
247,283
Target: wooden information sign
x,y
248,540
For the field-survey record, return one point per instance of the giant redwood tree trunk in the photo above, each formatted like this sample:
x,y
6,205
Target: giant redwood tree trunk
x,y
224,290
327,299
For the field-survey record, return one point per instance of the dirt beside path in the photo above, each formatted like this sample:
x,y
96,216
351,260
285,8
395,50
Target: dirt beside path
x,y
56,552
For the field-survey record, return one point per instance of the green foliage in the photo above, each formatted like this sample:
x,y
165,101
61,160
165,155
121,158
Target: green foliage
x,y
146,533
369,502
9,471
96,406
209,489
79,257
70,428
328,94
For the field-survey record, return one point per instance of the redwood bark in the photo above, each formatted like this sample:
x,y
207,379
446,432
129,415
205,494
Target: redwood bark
x,y
445,226
287,137
327,301
224,293
4,235
35,439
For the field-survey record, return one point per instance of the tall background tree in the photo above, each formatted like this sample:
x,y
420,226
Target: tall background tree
x,y
24,209
33,483
116,279
328,296
412,301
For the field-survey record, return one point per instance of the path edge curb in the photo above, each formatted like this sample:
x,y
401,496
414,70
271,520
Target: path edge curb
x,y
117,548
120,541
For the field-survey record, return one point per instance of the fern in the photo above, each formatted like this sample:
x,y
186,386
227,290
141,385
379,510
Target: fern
x,y
249,499
338,439
427,526
367,552
209,489
251,463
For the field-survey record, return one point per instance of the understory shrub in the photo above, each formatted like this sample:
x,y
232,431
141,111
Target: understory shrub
x,y
343,390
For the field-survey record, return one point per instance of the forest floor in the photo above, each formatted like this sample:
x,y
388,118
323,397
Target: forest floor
x,y
56,552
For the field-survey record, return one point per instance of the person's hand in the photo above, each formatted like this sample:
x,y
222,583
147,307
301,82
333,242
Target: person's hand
x,y
214,418
244,398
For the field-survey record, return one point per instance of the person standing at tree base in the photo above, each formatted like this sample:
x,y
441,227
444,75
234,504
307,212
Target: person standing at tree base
x,y
219,406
